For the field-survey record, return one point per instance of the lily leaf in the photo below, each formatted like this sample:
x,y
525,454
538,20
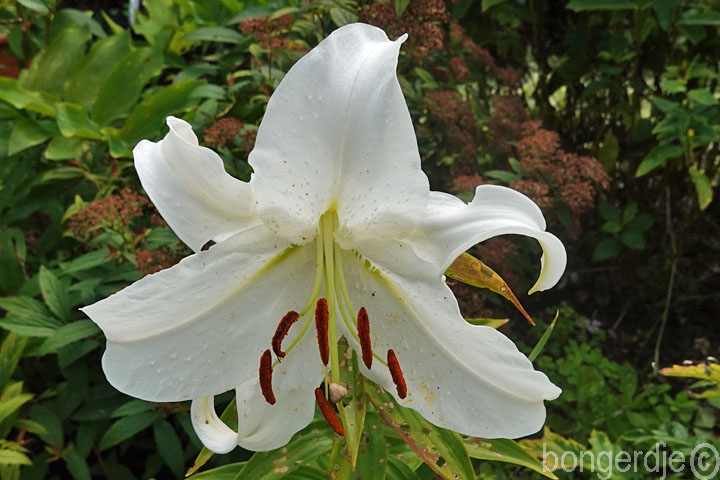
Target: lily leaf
x,y
505,450
353,414
488,322
314,441
543,340
470,270
429,442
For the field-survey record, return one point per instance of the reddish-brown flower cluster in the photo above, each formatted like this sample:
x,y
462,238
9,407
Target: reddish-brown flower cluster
x,y
458,121
459,68
507,76
423,21
538,192
466,183
271,34
152,261
230,132
572,178
116,211
505,127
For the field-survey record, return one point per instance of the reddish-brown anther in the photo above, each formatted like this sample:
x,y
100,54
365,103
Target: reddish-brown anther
x,y
282,330
397,374
266,377
328,412
363,328
321,324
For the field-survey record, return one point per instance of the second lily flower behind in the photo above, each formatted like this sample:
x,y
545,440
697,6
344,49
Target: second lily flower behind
x,y
337,213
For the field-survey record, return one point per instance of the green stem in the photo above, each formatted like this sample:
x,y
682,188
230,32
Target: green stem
x,y
328,242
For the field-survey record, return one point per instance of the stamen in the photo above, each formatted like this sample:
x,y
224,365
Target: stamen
x,y
282,330
396,373
363,328
321,324
327,411
266,377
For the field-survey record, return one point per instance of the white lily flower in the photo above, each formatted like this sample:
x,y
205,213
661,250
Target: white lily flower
x,y
339,209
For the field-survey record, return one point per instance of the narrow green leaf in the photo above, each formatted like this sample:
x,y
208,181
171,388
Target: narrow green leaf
x,y
151,112
10,353
84,84
8,406
226,472
73,121
503,176
50,68
470,270
430,442
585,5
353,413
66,335
504,450
214,34
55,294
35,5
657,157
29,310
372,456
543,340
26,133
312,442
133,407
607,248
608,153
488,4
11,457
702,96
400,6
76,464
125,428
634,240
169,446
342,16
703,187
119,92
63,148
640,223
19,97
629,213
488,322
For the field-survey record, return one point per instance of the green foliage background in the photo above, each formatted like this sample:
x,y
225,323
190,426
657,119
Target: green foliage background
x,y
606,113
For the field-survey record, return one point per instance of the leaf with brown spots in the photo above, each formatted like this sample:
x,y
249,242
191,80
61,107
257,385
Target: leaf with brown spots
x,y
468,269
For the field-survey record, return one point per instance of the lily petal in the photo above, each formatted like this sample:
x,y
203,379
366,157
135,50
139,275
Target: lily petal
x,y
198,329
190,188
470,379
337,134
262,426
450,227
